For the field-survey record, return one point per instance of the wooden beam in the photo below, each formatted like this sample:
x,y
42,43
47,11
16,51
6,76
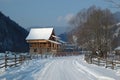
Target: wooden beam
x,y
33,41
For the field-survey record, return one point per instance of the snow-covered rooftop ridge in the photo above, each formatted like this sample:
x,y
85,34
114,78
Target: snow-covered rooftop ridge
x,y
118,48
39,33
54,42
118,24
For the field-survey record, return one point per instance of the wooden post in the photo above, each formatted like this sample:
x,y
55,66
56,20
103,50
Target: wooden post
x,y
98,61
15,59
112,64
5,60
90,57
106,63
20,59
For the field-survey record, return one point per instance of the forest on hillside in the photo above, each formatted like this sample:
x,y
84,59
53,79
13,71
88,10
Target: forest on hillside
x,y
12,36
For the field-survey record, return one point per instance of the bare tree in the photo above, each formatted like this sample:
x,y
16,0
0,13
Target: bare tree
x,y
92,29
115,3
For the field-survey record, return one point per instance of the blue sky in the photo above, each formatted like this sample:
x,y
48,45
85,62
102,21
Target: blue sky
x,y
30,13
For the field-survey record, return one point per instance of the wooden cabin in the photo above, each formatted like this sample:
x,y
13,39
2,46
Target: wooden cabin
x,y
42,40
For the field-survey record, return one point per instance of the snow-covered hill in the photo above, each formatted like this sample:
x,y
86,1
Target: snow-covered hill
x,y
61,68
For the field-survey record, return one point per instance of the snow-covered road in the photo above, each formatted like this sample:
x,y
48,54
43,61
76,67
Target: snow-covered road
x,y
64,68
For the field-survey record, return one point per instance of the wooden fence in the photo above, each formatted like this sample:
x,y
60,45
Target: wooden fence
x,y
109,62
15,60
10,59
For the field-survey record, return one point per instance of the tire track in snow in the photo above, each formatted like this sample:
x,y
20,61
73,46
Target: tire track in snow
x,y
25,71
82,72
41,74
53,72
59,69
84,69
64,68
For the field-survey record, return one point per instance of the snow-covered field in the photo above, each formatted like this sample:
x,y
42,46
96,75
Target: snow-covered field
x,y
59,68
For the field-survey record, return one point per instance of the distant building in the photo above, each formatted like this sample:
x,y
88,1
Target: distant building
x,y
42,40
117,50
72,48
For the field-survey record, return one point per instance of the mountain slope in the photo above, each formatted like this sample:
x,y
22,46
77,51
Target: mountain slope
x,y
12,36
117,16
116,35
63,36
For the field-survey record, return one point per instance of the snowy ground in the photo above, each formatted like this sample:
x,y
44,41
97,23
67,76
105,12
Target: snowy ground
x,y
61,68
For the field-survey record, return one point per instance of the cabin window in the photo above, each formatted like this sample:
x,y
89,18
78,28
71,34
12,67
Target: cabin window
x,y
49,44
35,50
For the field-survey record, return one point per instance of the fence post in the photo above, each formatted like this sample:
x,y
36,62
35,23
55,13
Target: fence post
x,y
5,60
106,63
112,64
90,57
20,59
98,61
15,59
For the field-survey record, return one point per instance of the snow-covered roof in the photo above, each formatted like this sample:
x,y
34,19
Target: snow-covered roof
x,y
118,48
54,42
39,33
118,24
61,41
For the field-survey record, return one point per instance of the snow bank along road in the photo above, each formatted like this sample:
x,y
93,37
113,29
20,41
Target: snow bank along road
x,y
64,68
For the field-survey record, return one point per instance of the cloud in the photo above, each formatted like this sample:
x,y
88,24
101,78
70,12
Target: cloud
x,y
65,18
68,17
60,18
